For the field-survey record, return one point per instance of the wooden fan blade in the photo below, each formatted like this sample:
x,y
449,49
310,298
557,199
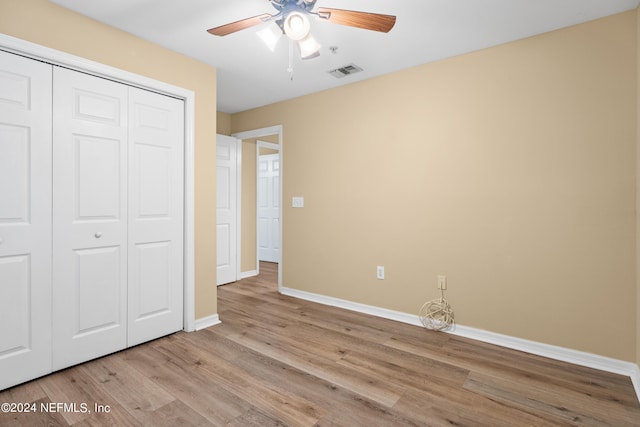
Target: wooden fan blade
x,y
368,21
226,29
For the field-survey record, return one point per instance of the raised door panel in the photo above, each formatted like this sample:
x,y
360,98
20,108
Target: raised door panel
x,y
14,304
98,184
97,289
89,217
225,239
15,179
156,156
25,219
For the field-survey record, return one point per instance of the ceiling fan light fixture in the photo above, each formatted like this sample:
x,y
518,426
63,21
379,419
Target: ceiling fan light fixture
x,y
270,35
309,47
296,25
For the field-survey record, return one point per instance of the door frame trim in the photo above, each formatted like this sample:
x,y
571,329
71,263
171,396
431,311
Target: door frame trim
x,y
63,59
258,133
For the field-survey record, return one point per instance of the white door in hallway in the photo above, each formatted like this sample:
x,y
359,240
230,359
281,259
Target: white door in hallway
x,y
226,209
89,217
156,171
269,207
25,219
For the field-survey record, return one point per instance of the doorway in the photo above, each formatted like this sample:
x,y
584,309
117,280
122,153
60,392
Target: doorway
x,y
269,138
268,201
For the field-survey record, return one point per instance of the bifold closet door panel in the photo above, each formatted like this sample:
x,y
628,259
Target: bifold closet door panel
x,y
156,171
25,219
89,217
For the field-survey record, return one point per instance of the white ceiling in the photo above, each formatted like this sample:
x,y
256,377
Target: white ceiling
x,y
250,75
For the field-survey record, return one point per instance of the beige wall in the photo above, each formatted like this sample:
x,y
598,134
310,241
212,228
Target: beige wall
x,y
511,170
49,25
249,209
223,123
638,186
266,151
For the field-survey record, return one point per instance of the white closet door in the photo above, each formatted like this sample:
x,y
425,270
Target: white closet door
x,y
156,154
25,219
89,217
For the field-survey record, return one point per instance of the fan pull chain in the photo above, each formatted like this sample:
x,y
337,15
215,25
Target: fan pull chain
x,y
290,69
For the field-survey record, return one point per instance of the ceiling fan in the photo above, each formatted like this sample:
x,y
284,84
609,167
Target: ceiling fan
x,y
292,19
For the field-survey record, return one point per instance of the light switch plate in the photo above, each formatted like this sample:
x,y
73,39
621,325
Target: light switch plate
x,y
297,202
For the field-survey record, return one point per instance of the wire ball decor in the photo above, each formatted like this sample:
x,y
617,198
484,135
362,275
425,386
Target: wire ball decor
x,y
437,314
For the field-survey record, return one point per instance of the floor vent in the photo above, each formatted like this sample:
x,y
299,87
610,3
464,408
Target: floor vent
x,y
345,71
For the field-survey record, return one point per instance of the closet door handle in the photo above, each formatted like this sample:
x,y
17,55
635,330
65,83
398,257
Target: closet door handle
x,y
1,240
98,235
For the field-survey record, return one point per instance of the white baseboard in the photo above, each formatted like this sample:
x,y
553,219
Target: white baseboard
x,y
353,306
576,357
245,274
635,379
563,354
206,322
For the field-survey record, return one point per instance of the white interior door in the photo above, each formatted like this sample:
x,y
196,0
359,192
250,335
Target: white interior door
x,y
89,217
25,219
156,165
226,209
269,207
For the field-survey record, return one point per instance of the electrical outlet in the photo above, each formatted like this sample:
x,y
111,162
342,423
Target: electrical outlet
x,y
442,282
380,272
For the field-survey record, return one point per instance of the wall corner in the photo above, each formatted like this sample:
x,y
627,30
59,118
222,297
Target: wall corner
x,y
637,254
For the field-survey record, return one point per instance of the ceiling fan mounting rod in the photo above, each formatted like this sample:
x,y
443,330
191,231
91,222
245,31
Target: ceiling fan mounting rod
x,y
287,6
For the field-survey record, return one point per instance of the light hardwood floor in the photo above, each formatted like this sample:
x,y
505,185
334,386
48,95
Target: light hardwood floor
x,y
276,360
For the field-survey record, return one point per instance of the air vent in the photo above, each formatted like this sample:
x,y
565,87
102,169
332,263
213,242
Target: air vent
x,y
345,71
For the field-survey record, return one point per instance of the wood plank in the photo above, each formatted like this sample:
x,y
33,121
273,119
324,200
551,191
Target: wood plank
x,y
254,418
465,409
174,413
28,392
75,386
118,378
406,375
